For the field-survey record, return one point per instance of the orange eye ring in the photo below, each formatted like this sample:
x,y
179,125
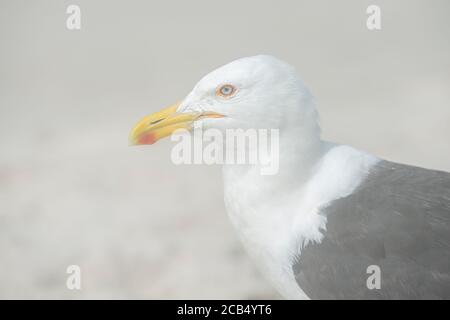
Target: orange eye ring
x,y
226,91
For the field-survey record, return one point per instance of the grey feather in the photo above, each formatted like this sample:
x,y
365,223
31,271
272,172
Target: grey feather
x,y
397,219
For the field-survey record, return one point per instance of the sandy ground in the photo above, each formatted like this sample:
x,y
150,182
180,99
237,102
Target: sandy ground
x,y
73,192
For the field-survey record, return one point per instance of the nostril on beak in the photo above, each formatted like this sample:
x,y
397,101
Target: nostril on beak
x,y
156,121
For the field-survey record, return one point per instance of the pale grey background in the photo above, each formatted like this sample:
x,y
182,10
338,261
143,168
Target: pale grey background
x,y
73,192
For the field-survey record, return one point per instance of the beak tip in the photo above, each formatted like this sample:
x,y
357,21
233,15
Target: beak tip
x,y
158,125
144,139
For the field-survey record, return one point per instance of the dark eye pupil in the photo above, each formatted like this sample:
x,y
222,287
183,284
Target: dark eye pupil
x,y
226,90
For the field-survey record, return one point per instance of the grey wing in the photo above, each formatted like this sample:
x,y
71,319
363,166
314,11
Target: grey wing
x,y
398,220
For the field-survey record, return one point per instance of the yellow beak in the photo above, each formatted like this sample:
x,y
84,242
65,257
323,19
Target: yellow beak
x,y
163,123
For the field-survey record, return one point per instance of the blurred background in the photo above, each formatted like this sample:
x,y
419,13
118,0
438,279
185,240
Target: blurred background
x,y
73,192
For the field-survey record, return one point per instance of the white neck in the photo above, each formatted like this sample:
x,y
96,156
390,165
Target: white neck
x,y
275,216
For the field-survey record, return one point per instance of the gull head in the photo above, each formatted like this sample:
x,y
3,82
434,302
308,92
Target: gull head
x,y
259,92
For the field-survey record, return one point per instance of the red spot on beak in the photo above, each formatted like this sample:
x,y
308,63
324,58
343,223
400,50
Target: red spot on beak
x,y
147,138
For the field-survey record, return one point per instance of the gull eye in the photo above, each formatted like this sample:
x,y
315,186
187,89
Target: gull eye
x,y
226,91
